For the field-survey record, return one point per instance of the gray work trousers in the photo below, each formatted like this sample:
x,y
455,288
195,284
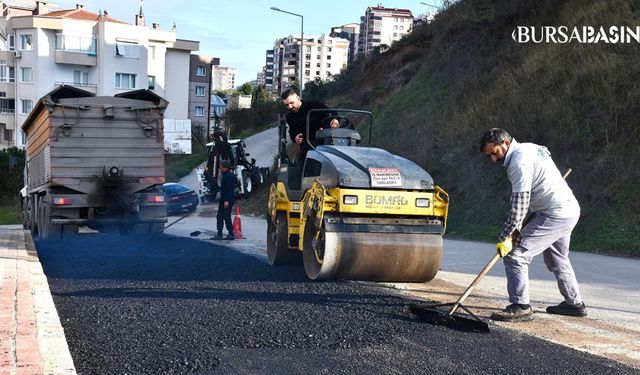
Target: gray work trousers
x,y
551,237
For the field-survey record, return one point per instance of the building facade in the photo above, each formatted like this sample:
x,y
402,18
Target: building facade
x,y
41,49
224,78
324,57
268,71
380,27
200,69
350,32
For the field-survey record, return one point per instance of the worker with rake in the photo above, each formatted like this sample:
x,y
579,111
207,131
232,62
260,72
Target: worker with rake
x,y
538,186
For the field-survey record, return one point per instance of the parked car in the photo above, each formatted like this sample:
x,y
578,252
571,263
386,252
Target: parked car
x,y
179,197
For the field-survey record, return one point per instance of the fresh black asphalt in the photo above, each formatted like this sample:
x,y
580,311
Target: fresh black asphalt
x,y
169,305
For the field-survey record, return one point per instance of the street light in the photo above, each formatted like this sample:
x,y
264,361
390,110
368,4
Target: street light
x,y
301,43
429,5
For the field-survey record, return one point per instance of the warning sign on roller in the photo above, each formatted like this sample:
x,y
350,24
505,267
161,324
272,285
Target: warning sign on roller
x,y
385,177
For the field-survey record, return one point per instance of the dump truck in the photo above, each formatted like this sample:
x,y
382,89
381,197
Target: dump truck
x,y
354,212
94,161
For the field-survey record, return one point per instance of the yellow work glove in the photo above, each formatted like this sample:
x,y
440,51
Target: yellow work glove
x,y
504,247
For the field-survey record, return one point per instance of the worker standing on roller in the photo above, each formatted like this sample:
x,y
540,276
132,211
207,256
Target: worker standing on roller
x,y
537,185
297,120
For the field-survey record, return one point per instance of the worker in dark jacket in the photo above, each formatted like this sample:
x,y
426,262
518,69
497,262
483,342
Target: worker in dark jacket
x,y
297,119
227,198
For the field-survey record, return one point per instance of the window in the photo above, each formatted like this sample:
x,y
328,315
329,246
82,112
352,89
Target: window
x,y
7,105
26,106
8,135
200,91
201,71
128,50
26,42
125,81
12,41
80,77
151,82
328,65
26,74
7,73
328,57
199,111
152,52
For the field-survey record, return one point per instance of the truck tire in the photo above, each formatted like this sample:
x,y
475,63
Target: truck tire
x,y
31,218
49,231
247,184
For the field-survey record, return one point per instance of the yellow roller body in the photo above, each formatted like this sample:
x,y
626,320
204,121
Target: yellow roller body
x,y
380,236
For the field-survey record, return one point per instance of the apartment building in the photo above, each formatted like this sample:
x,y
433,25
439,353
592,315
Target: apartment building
x,y
267,71
224,78
200,69
41,49
350,32
380,27
324,57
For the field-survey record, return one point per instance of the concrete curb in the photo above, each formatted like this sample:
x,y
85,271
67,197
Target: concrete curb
x,y
33,341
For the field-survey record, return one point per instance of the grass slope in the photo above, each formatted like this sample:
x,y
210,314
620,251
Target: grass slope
x,y
437,90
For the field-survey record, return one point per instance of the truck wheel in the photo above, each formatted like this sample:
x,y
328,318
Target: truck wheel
x,y
49,231
31,219
246,184
278,250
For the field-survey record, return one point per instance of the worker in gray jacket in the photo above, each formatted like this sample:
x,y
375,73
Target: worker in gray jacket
x,y
537,185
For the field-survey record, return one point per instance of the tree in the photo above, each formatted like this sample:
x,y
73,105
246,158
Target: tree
x,y
315,90
259,96
246,89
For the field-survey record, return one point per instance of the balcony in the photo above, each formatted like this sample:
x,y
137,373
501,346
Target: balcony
x,y
7,84
76,58
76,50
90,87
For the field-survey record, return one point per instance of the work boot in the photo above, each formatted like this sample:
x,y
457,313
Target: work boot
x,y
229,237
569,310
514,313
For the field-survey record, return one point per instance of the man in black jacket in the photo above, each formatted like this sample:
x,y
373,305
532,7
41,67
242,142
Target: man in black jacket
x,y
297,119
227,198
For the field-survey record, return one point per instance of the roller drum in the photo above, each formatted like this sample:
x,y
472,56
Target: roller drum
x,y
401,257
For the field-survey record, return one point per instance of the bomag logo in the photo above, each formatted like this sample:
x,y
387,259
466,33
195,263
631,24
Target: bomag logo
x,y
386,200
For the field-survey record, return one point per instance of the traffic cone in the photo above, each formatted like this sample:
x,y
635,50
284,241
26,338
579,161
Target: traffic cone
x,y
237,225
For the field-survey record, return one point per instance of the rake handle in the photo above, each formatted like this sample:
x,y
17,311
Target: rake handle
x,y
475,282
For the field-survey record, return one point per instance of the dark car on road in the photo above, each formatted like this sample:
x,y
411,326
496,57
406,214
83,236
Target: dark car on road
x,y
179,197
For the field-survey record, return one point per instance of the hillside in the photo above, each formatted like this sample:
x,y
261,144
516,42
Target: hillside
x,y
437,90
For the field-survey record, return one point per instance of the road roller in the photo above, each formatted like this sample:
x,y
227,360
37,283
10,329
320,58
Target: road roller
x,y
354,212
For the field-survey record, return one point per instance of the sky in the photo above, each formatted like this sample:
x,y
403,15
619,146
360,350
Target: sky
x,y
240,31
